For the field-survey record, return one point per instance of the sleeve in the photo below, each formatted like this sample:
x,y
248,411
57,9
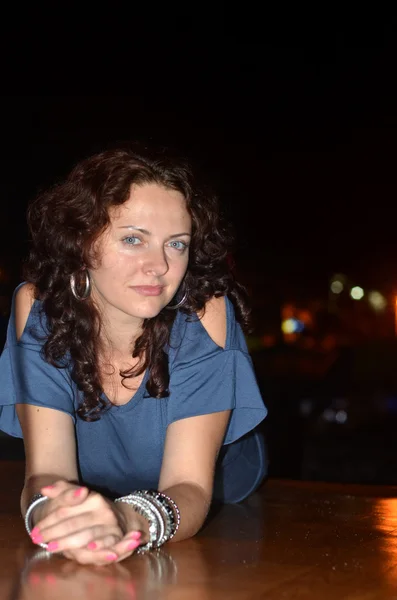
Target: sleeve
x,y
219,381
26,378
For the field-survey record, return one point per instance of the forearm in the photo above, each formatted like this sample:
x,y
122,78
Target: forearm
x,y
193,503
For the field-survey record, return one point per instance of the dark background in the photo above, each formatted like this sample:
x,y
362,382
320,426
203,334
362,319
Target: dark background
x,y
296,130
298,141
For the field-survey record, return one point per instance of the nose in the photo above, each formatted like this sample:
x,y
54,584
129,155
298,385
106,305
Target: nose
x,y
156,262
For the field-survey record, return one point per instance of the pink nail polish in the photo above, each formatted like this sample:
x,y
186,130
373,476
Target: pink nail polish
x,y
52,546
48,487
37,539
110,557
92,546
35,532
133,545
78,492
135,535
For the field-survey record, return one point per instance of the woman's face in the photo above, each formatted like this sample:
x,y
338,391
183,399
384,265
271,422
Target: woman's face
x,y
143,256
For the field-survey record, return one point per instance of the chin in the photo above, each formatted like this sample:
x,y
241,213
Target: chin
x,y
149,312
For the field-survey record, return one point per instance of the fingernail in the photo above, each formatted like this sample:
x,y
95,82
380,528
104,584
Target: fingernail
x,y
37,539
133,545
135,535
91,546
48,487
52,546
78,492
111,557
35,532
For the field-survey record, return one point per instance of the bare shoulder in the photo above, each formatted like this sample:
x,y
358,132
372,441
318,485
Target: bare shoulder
x,y
213,318
24,300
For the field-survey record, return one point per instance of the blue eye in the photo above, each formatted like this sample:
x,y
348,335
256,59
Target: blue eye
x,y
178,245
131,240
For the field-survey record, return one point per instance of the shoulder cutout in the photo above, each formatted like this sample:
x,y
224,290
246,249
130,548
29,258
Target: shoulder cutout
x,y
24,301
213,318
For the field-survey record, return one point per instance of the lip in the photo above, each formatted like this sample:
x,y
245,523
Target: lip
x,y
148,290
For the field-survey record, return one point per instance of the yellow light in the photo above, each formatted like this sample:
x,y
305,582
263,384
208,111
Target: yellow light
x,y
377,301
357,293
336,287
395,315
288,326
382,512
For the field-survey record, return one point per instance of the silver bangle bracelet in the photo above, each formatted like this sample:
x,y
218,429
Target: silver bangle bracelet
x,y
152,515
165,510
160,511
169,507
143,508
36,500
176,511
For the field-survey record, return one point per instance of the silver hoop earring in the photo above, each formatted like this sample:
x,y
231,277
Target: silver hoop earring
x,y
180,303
87,289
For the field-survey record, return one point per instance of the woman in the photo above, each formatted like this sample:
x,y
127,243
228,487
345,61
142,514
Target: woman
x,y
125,369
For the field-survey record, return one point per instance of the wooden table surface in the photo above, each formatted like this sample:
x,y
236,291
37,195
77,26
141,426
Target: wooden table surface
x,y
290,540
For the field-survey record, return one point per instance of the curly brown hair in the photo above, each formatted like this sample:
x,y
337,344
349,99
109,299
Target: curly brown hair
x,y
64,223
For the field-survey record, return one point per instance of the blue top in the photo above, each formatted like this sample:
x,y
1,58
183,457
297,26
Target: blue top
x,y
123,450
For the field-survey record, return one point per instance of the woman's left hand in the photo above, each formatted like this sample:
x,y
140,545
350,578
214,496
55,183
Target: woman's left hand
x,y
92,531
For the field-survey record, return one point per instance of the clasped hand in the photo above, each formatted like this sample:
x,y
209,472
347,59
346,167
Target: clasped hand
x,y
84,525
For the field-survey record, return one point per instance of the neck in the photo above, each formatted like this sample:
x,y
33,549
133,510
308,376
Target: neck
x,y
118,340
119,333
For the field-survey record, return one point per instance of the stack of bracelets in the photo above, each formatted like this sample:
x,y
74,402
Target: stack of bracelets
x,y
157,508
160,511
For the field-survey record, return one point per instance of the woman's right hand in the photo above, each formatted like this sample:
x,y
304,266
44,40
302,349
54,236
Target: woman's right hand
x,y
83,525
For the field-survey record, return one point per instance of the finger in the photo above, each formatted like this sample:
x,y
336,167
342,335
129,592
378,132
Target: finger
x,y
79,493
61,509
82,539
127,545
103,557
67,493
53,490
124,544
63,524
89,557
102,551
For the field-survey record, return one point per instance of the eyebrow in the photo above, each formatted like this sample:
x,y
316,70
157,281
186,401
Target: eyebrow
x,y
148,232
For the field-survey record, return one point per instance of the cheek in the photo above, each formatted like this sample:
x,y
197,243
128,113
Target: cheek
x,y
117,262
181,267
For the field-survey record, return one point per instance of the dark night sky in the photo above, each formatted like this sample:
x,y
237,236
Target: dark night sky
x,y
300,142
